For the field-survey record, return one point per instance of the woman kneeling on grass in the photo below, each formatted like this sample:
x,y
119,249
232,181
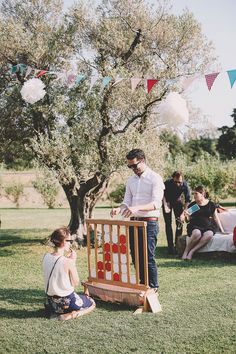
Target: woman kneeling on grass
x,y
61,280
202,223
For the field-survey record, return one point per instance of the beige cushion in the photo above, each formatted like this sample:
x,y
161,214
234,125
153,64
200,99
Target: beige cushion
x,y
228,220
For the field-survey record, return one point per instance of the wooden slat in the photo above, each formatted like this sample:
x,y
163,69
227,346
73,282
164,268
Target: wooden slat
x,y
116,222
89,249
145,255
96,249
127,253
136,252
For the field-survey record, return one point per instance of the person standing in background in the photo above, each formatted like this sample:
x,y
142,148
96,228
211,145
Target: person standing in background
x,y
175,188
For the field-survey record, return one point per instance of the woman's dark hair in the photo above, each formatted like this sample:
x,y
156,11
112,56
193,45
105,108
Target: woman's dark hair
x,y
202,190
136,153
59,235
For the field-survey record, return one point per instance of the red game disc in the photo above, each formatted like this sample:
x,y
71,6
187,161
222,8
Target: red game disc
x,y
115,248
123,249
100,265
116,277
107,247
122,239
107,257
100,275
108,266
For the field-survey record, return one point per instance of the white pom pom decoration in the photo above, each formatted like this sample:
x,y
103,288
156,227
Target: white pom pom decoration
x,y
33,90
107,238
123,268
115,258
173,110
133,279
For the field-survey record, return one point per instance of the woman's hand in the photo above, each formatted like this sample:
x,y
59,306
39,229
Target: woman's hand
x,y
72,255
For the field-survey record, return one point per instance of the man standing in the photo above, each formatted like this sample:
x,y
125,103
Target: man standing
x,y
175,187
142,201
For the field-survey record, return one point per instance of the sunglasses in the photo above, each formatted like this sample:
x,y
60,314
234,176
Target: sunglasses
x,y
71,241
135,165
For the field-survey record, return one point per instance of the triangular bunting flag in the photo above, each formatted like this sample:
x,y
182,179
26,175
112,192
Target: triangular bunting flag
x,y
106,80
28,71
210,78
117,80
150,84
41,73
79,78
187,81
14,69
93,80
22,68
232,77
134,82
71,79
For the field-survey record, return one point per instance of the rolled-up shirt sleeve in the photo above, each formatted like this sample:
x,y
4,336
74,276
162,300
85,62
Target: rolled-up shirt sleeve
x,y
128,195
158,192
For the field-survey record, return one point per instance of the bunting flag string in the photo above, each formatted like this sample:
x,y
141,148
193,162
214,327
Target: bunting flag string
x,y
71,78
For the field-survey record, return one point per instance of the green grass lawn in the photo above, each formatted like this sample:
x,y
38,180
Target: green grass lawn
x,y
198,299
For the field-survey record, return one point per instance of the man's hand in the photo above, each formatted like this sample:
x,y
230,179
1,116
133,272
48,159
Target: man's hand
x,y
129,211
115,211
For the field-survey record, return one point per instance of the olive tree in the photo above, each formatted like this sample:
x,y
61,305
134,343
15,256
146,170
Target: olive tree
x,y
81,133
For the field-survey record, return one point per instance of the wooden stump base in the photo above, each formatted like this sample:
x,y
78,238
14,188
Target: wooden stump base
x,y
146,300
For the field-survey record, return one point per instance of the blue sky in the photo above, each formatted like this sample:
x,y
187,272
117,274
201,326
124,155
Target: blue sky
x,y
219,25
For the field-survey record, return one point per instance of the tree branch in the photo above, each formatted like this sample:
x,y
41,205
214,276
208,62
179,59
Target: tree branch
x,y
141,115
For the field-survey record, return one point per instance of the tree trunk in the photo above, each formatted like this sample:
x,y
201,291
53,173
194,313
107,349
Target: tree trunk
x,y
82,201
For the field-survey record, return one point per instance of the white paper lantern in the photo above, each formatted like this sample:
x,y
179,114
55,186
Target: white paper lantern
x,y
173,110
33,90
108,275
123,258
124,278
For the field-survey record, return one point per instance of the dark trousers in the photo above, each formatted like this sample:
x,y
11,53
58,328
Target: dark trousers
x,y
152,232
177,209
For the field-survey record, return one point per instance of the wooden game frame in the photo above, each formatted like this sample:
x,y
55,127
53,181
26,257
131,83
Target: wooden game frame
x,y
114,289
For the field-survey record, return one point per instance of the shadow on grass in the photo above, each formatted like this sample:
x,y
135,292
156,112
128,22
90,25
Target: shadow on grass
x,y
210,259
22,298
113,306
21,236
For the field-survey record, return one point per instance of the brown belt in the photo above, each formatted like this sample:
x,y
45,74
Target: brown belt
x,y
144,219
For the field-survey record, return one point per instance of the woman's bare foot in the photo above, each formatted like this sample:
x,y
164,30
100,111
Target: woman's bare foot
x,y
184,256
189,256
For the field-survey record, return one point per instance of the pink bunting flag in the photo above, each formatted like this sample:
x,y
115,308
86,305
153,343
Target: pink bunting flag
x,y
210,78
41,73
150,84
134,82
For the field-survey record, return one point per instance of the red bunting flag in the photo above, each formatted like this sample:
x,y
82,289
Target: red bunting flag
x,y
150,84
210,78
41,73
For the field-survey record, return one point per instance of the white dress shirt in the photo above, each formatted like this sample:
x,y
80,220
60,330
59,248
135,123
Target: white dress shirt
x,y
144,189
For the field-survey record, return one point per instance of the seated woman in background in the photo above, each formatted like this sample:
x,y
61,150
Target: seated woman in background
x,y
202,223
61,280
